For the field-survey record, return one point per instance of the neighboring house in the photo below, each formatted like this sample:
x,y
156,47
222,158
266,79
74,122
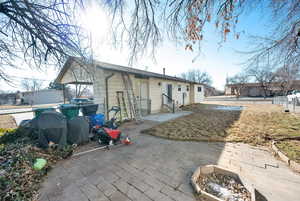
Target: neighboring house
x,y
211,91
256,90
150,89
44,96
9,99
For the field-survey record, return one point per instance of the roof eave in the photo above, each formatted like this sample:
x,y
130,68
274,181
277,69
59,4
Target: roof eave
x,y
167,77
64,69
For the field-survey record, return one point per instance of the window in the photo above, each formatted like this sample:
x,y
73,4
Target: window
x,y
179,87
187,87
199,89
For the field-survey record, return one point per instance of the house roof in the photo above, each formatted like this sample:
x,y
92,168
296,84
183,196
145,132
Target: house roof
x,y
119,68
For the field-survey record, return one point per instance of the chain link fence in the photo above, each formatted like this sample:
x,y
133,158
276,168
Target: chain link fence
x,y
293,105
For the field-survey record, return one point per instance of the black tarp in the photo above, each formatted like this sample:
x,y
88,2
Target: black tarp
x,y
51,127
78,130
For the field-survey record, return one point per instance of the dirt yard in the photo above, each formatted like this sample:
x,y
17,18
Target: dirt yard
x,y
256,124
7,121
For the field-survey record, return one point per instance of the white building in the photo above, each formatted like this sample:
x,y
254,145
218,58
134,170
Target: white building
x,y
153,91
45,96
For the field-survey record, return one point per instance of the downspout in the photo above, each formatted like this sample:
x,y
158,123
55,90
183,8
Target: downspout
x,y
64,93
106,91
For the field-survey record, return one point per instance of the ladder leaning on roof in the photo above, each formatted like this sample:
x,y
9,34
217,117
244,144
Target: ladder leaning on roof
x,y
134,109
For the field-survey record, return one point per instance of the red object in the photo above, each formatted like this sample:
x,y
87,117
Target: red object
x,y
114,134
126,141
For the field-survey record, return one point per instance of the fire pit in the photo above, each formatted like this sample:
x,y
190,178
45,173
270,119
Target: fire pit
x,y
214,183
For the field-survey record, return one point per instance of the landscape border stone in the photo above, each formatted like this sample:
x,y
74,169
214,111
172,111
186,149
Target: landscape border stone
x,y
292,164
208,169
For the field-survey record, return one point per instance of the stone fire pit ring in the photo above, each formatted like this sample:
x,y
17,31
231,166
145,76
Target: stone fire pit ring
x,y
209,169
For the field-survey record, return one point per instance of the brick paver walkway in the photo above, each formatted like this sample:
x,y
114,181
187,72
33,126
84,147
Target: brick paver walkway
x,y
157,169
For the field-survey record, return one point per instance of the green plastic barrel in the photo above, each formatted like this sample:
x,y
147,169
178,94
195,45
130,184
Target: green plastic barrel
x,y
70,111
39,111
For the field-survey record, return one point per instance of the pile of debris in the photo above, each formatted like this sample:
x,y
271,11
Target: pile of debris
x,y
19,180
224,187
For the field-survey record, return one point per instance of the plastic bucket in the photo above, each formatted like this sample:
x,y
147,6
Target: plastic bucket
x,y
39,111
70,111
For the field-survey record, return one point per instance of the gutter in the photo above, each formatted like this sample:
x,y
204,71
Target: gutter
x,y
106,91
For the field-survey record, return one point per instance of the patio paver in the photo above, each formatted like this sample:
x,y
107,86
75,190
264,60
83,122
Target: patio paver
x,y
158,169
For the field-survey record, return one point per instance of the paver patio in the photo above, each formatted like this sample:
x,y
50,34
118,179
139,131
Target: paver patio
x,y
158,169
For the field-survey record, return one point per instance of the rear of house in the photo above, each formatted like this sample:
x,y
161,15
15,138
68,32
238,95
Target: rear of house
x,y
154,92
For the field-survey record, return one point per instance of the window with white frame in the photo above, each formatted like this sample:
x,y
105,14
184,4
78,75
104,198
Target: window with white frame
x,y
179,87
199,89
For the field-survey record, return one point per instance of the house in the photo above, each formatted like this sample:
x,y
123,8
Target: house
x,y
256,89
9,98
153,91
211,91
44,96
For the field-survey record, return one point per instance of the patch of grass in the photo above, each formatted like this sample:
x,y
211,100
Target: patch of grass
x,y
256,124
261,123
7,121
205,124
6,130
291,148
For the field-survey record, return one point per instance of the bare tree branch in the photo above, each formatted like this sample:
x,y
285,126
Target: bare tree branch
x,y
196,75
39,31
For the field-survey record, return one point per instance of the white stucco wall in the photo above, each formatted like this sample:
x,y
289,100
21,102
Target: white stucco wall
x,y
43,97
156,91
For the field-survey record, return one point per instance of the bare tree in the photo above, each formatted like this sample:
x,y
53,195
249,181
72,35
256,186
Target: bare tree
x,y
80,89
39,31
263,75
286,77
43,30
239,82
197,75
32,84
185,21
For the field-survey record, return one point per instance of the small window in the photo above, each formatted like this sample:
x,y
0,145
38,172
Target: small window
x,y
179,87
187,88
199,89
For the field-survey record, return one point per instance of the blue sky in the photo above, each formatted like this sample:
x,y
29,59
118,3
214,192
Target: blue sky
x,y
218,61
